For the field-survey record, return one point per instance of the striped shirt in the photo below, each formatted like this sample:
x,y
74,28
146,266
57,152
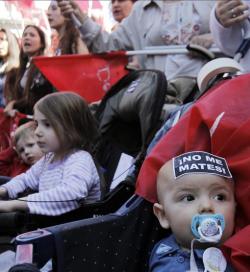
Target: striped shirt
x,y
73,178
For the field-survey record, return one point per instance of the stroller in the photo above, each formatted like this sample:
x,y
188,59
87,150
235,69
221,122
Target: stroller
x,y
128,117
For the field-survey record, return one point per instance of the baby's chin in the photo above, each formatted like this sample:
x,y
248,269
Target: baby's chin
x,y
197,245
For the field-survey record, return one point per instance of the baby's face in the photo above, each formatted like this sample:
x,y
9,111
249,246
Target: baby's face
x,y
28,150
194,194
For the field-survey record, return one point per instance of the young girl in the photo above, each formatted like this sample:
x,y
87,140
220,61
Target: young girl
x,y
65,132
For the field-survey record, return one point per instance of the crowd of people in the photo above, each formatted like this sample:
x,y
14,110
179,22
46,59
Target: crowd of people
x,y
55,151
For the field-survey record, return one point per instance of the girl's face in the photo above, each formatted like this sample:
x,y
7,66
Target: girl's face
x,y
31,41
47,138
55,17
4,44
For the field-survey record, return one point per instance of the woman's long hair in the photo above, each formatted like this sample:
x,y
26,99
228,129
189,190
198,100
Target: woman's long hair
x,y
68,42
12,58
11,91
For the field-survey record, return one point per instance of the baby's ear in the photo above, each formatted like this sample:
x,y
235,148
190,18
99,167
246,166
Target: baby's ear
x,y
160,214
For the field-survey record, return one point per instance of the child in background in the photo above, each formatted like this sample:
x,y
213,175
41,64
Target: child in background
x,y
196,201
65,131
24,152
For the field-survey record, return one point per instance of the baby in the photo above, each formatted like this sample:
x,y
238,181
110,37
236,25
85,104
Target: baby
x,y
24,152
196,201
26,145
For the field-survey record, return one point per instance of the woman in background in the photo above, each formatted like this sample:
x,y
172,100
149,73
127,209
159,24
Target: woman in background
x,y
69,37
9,57
26,85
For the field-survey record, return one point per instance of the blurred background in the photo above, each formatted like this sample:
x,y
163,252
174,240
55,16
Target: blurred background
x,y
15,14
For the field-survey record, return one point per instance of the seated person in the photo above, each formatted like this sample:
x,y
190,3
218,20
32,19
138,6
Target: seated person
x,y
196,200
24,152
66,132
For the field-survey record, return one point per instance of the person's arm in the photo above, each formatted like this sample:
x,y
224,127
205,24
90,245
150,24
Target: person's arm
x,y
9,109
95,38
80,180
81,47
13,205
3,193
227,31
29,179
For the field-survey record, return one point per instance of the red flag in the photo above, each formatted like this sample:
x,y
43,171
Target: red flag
x,y
218,123
23,3
11,164
88,75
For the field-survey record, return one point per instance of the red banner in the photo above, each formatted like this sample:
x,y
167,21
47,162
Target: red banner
x,y
90,76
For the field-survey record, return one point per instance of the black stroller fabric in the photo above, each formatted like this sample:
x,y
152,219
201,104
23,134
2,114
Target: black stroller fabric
x,y
129,115
119,242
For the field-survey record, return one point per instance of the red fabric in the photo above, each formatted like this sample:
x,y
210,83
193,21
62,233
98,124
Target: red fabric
x,y
238,249
88,75
26,3
84,5
23,3
230,140
7,127
10,163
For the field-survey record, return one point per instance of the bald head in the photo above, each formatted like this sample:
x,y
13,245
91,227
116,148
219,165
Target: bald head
x,y
164,178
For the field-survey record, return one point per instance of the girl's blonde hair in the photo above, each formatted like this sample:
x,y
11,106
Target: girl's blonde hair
x,y
70,117
24,131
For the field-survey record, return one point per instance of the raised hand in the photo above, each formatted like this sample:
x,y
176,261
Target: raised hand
x,y
229,12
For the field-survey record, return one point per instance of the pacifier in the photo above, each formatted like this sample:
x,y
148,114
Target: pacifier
x,y
208,227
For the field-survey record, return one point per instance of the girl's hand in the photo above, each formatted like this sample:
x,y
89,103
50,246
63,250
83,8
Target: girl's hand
x,y
229,12
205,40
3,193
69,7
13,205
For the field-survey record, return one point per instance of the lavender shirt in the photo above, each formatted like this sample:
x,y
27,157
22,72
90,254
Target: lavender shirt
x,y
73,178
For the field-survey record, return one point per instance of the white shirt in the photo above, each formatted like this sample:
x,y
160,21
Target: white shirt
x,y
73,178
